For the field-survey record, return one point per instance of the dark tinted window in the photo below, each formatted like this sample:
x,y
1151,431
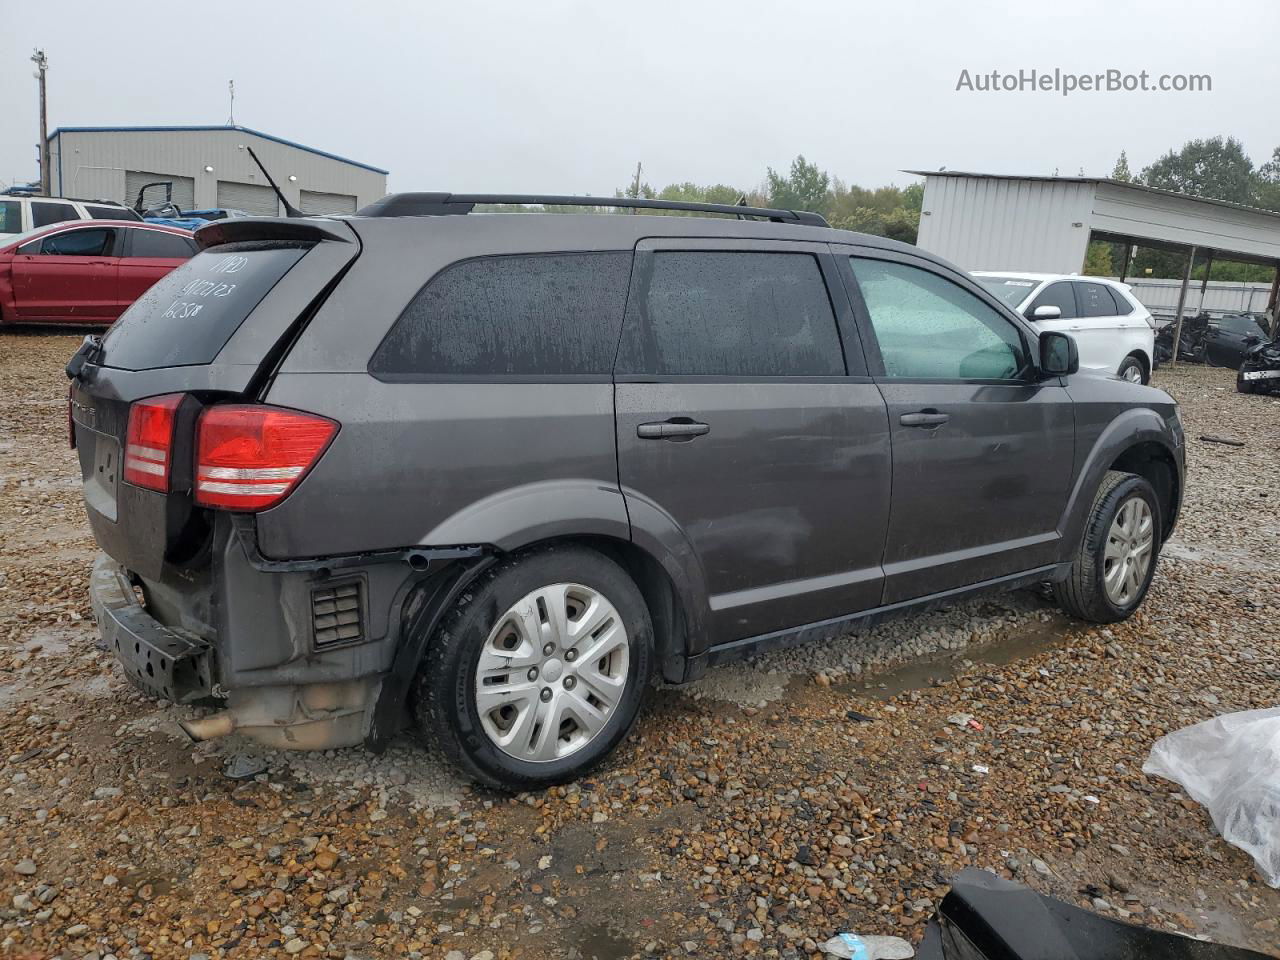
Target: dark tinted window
x,y
1123,306
535,315
930,328
190,313
10,216
98,212
732,314
44,212
1095,300
78,243
153,243
1056,295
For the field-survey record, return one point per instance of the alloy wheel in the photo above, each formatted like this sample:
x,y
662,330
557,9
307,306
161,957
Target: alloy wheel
x,y
1128,552
552,672
1133,373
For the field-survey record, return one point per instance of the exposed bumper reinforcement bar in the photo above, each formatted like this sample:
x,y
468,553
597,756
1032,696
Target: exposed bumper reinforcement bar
x,y
167,663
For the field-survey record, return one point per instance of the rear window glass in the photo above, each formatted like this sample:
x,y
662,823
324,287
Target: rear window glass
x,y
1095,300
154,243
110,213
190,314
544,315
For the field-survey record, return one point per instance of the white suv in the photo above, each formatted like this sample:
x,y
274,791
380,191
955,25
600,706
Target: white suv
x,y
1113,331
19,214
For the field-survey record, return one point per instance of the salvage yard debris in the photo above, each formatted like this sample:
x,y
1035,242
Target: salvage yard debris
x,y
708,802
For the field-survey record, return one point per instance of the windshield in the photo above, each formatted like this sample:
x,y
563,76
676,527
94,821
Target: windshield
x,y
1012,290
17,239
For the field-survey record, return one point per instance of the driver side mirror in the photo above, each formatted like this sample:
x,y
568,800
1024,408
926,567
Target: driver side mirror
x,y
1046,312
1059,356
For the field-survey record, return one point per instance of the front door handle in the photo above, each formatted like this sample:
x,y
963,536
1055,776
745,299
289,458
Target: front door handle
x,y
680,428
927,419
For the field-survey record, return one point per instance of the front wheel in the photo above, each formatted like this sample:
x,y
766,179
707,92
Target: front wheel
x,y
1116,560
539,671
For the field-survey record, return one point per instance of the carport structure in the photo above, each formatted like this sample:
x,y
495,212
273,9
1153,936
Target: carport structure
x,y
1045,224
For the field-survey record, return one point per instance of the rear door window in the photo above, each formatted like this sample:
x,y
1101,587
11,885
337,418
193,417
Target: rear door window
x,y
1057,295
161,245
535,315
1095,300
190,313
100,212
45,212
731,314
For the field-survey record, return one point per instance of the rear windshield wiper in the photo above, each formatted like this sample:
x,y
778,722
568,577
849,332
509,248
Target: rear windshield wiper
x,y
88,352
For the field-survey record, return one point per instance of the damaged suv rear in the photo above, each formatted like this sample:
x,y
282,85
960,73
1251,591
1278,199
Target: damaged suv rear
x,y
492,473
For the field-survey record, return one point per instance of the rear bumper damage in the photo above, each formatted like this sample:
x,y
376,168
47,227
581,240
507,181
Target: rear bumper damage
x,y
174,664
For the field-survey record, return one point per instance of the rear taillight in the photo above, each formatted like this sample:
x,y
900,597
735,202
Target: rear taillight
x,y
249,457
148,450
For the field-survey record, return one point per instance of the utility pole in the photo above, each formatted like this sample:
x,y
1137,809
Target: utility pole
x,y
42,65
635,187
231,117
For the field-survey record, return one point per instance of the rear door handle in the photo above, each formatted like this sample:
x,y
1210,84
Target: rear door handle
x,y
924,419
674,429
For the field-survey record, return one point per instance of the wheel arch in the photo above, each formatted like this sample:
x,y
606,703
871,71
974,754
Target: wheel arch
x,y
1141,356
1137,441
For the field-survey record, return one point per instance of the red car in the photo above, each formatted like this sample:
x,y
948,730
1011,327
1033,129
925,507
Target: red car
x,y
85,271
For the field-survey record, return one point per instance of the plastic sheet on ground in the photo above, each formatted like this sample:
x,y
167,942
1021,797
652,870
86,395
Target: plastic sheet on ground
x,y
1231,766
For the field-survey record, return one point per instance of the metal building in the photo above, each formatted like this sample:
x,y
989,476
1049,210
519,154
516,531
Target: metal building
x,y
209,167
1045,224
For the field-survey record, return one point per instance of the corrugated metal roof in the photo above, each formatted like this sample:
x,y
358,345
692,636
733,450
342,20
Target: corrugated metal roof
x,y
206,129
1119,183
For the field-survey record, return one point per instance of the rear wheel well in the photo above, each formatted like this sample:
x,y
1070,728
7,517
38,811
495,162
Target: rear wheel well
x,y
670,626
1155,464
1143,359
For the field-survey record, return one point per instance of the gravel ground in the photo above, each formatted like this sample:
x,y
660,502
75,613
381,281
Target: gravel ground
x,y
756,812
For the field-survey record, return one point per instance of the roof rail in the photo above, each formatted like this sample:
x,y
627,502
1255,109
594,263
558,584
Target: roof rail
x,y
445,204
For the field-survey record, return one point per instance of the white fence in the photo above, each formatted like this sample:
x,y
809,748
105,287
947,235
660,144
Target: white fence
x,y
1161,296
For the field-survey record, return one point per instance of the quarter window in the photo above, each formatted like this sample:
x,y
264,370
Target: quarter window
x,y
43,213
1056,295
741,314
930,328
78,243
538,315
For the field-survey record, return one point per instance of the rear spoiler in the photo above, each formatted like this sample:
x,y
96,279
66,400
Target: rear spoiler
x,y
239,230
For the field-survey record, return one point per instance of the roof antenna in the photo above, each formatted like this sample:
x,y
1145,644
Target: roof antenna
x,y
289,209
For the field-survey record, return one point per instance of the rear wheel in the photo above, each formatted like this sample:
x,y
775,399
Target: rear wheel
x,y
1116,560
1132,369
539,671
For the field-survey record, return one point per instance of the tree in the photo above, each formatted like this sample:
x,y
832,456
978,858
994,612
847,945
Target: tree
x,y
1268,182
1216,168
1121,170
805,188
1097,260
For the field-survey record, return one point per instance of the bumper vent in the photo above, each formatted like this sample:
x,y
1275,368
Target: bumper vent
x,y
337,614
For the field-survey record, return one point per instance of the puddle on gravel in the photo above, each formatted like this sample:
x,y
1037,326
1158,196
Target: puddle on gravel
x,y
1240,561
601,943
1033,638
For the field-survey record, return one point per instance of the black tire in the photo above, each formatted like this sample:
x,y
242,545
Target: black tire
x,y
1131,362
1082,594
1244,386
443,697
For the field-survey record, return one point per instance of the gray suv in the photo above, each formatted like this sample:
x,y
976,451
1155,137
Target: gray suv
x,y
491,473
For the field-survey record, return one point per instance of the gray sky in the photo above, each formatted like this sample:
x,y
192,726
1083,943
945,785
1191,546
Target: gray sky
x,y
562,96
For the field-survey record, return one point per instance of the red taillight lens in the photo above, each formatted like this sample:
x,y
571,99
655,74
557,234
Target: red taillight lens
x,y
249,457
148,450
